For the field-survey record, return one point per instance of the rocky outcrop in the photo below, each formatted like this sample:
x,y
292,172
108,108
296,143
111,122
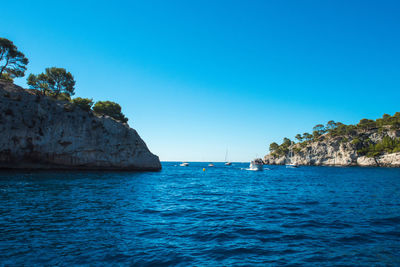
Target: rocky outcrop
x,y
388,160
339,151
38,132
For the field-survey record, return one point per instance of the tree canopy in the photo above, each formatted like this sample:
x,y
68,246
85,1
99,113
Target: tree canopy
x,y
111,109
38,82
330,125
56,81
299,137
307,136
60,81
12,62
356,134
273,146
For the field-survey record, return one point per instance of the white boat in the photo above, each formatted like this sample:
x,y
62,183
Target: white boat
x,y
227,163
291,164
184,164
256,165
210,165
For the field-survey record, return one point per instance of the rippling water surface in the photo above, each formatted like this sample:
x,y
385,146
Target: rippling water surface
x,y
184,216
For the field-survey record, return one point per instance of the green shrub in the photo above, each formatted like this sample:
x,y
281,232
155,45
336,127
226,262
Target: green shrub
x,y
343,133
386,145
356,141
83,103
111,109
63,97
303,144
6,77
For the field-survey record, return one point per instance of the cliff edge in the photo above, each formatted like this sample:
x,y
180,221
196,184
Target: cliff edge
x,y
369,143
333,152
39,132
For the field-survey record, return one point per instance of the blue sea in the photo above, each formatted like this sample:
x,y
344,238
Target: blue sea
x,y
184,216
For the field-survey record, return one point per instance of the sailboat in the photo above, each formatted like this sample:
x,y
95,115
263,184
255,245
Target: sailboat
x,y
227,163
291,164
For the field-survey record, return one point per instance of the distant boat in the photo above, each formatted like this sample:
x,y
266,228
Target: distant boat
x,y
256,165
184,164
291,164
227,163
210,165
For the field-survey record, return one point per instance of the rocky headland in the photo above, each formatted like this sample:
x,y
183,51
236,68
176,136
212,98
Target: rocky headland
x,y
369,143
40,132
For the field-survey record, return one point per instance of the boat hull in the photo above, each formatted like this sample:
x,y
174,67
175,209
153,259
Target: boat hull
x,y
291,166
256,167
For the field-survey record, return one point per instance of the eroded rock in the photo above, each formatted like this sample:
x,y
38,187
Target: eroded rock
x,y
38,132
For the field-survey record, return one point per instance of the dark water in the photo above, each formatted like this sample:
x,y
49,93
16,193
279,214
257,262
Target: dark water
x,y
184,216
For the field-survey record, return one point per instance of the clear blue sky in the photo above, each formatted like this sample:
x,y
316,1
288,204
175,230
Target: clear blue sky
x,y
198,77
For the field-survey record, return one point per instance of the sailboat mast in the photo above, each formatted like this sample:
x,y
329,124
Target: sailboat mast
x,y
291,152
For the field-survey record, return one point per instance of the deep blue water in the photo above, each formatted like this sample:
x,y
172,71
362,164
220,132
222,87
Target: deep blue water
x,y
184,216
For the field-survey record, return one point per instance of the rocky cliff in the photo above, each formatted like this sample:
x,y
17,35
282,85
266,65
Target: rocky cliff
x,y
39,132
339,151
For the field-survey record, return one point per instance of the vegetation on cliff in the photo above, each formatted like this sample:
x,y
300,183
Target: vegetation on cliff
x,y
55,82
83,103
358,135
12,61
39,132
111,109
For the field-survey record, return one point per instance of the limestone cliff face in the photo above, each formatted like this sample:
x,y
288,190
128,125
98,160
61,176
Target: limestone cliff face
x,y
330,151
38,132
